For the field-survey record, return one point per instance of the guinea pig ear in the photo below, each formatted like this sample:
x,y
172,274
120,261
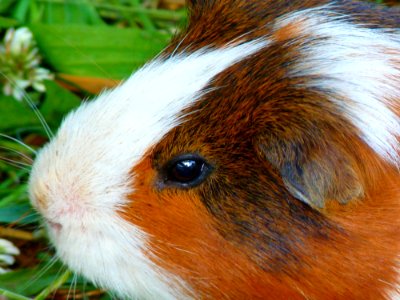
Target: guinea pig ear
x,y
315,174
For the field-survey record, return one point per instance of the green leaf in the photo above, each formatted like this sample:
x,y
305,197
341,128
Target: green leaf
x,y
70,12
43,279
21,10
17,195
54,12
7,22
54,286
12,296
35,12
18,213
97,51
29,282
14,114
5,5
57,102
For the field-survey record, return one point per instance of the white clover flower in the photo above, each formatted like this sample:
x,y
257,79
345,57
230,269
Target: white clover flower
x,y
6,259
6,247
19,40
19,64
7,253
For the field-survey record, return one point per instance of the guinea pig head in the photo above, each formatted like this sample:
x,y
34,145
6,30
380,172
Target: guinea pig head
x,y
254,159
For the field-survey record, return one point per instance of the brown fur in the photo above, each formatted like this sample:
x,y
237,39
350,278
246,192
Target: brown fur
x,y
244,233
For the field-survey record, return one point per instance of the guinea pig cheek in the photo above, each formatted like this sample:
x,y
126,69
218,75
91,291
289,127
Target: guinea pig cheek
x,y
170,215
173,218
182,236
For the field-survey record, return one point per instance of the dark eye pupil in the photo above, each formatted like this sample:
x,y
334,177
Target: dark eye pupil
x,y
185,171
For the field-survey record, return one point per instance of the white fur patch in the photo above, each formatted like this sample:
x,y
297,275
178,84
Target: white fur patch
x,y
83,174
394,294
360,66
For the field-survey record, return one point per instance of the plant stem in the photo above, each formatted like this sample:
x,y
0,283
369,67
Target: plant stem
x,y
161,14
16,234
13,296
54,286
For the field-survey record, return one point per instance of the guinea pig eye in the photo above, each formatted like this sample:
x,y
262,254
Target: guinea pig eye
x,y
186,170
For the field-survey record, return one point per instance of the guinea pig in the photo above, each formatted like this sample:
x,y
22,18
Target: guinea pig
x,y
257,157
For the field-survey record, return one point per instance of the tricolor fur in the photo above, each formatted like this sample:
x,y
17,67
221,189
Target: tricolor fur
x,y
295,105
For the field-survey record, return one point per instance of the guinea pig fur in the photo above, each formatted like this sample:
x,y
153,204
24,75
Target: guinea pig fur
x,y
257,157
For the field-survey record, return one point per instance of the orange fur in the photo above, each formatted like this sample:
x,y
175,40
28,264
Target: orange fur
x,y
356,263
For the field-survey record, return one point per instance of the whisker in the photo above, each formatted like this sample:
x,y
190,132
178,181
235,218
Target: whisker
x,y
39,115
16,164
29,159
32,214
19,142
72,287
75,282
173,53
19,227
43,270
84,288
53,293
56,284
32,106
